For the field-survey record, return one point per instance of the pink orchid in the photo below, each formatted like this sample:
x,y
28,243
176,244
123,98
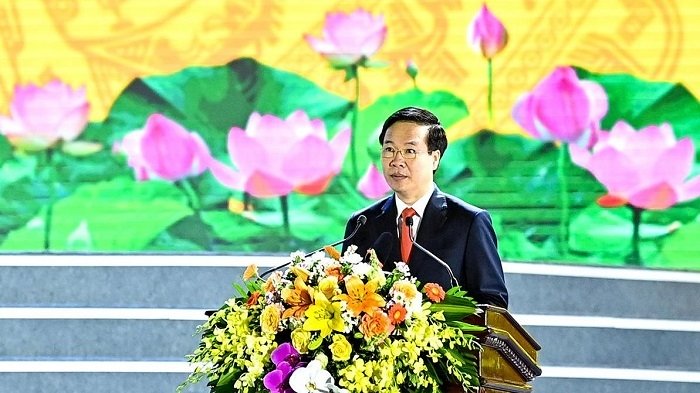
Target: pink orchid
x,y
349,39
563,108
164,149
487,34
373,185
646,169
40,117
275,156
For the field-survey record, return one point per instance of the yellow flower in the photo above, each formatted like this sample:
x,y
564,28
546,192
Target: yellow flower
x,y
300,272
341,348
407,288
356,376
361,297
250,272
270,319
325,316
329,286
300,340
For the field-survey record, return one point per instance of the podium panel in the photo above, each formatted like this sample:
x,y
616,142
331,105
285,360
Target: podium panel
x,y
508,359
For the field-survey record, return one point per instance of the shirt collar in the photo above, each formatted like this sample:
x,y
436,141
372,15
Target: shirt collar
x,y
418,206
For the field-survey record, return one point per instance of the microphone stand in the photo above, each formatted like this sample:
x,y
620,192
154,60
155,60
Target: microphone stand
x,y
409,222
361,220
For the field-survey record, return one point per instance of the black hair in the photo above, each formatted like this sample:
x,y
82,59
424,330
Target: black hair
x,y
437,139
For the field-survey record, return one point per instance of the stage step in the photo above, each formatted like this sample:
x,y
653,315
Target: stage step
x,y
144,318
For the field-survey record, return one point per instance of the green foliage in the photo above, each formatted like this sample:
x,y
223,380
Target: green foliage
x,y
95,217
642,103
514,177
212,100
608,232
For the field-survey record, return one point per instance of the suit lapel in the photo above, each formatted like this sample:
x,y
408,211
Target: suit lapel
x,y
386,222
433,218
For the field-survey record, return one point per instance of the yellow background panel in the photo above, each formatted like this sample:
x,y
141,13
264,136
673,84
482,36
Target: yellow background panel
x,y
104,44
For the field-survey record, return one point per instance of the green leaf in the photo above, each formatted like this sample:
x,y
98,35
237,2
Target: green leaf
x,y
5,150
451,312
18,167
680,250
465,327
642,103
225,383
190,230
601,230
105,210
315,343
211,100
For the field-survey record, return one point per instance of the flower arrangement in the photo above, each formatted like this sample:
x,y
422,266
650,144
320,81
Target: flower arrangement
x,y
332,323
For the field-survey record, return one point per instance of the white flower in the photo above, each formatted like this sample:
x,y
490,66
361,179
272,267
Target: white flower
x,y
403,268
352,249
361,269
311,379
297,256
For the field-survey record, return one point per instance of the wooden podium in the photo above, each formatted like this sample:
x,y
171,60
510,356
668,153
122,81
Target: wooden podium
x,y
508,359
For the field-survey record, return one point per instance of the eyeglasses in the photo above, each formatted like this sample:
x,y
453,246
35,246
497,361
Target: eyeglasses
x,y
407,154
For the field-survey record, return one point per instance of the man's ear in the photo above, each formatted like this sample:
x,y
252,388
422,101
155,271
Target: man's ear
x,y
436,159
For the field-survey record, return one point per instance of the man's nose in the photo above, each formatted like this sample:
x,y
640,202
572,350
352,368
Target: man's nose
x,y
398,160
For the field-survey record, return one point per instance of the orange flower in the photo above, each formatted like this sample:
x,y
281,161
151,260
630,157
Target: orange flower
x,y
361,297
253,299
271,282
434,292
334,270
397,314
332,252
250,272
375,324
298,298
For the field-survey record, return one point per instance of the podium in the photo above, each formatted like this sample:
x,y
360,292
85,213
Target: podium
x,y
508,359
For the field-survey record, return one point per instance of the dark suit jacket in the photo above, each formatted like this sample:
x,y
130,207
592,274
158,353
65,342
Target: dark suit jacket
x,y
456,232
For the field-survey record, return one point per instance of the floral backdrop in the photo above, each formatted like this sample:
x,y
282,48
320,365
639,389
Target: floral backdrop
x,y
231,126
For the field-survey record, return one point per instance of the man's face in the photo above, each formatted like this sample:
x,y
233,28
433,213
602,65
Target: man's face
x,y
413,177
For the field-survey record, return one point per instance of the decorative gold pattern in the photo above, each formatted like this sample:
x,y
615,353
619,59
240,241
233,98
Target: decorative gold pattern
x,y
104,44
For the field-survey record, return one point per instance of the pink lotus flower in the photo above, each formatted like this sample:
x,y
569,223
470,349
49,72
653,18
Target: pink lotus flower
x,y
40,117
487,34
164,149
564,108
646,169
349,39
373,185
276,156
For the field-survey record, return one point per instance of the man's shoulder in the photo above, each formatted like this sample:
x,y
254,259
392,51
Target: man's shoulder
x,y
456,204
372,210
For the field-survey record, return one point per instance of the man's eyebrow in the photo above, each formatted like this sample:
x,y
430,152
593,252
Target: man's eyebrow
x,y
413,142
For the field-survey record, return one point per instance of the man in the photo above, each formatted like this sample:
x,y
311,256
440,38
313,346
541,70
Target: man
x,y
413,142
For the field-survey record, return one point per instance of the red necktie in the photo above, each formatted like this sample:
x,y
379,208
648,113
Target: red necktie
x,y
406,243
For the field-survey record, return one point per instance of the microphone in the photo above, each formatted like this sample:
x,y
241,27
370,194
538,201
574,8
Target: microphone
x,y
409,222
383,245
361,220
